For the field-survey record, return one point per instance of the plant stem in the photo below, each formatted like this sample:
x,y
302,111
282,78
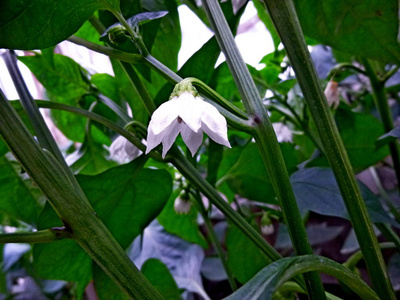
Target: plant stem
x,y
43,134
111,52
353,260
41,236
384,195
385,113
72,206
285,19
266,140
214,240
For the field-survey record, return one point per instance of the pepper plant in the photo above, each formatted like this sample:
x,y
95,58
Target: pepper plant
x,y
173,182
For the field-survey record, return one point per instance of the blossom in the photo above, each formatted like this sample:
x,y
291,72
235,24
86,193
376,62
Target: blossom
x,y
187,114
182,206
123,150
332,94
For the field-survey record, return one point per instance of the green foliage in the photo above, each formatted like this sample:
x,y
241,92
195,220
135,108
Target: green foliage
x,y
158,274
244,258
37,24
183,225
247,176
362,28
19,199
126,198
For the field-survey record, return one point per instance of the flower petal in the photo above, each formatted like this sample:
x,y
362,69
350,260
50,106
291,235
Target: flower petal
x,y
192,139
153,140
189,111
170,135
214,124
131,150
163,116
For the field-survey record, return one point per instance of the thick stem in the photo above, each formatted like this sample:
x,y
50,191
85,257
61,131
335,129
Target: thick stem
x,y
266,140
285,19
72,206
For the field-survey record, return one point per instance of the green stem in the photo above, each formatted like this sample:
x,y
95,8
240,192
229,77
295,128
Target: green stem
x,y
216,97
72,206
389,74
42,132
353,260
389,233
384,195
111,52
214,240
285,19
266,140
338,68
41,236
385,113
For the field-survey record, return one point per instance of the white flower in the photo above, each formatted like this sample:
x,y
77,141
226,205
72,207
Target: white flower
x,y
332,94
123,150
267,229
182,206
190,116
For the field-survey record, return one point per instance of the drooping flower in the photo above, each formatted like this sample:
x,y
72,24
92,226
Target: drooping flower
x,y
123,150
332,94
188,114
182,206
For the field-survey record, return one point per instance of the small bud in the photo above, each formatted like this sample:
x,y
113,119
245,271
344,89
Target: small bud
x,y
332,94
182,206
267,227
117,34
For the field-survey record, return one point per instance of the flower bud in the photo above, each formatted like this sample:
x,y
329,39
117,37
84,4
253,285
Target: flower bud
x,y
332,94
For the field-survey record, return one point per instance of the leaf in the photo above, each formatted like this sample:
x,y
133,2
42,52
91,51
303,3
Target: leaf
x,y
90,159
359,133
183,225
65,82
18,197
127,198
249,178
267,281
61,260
316,190
160,277
365,28
145,17
34,24
240,250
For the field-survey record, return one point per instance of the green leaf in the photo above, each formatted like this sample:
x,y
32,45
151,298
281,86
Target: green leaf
x,y
63,78
183,225
65,82
90,159
244,258
266,282
359,133
127,198
249,178
34,24
105,287
61,260
18,198
160,277
365,28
